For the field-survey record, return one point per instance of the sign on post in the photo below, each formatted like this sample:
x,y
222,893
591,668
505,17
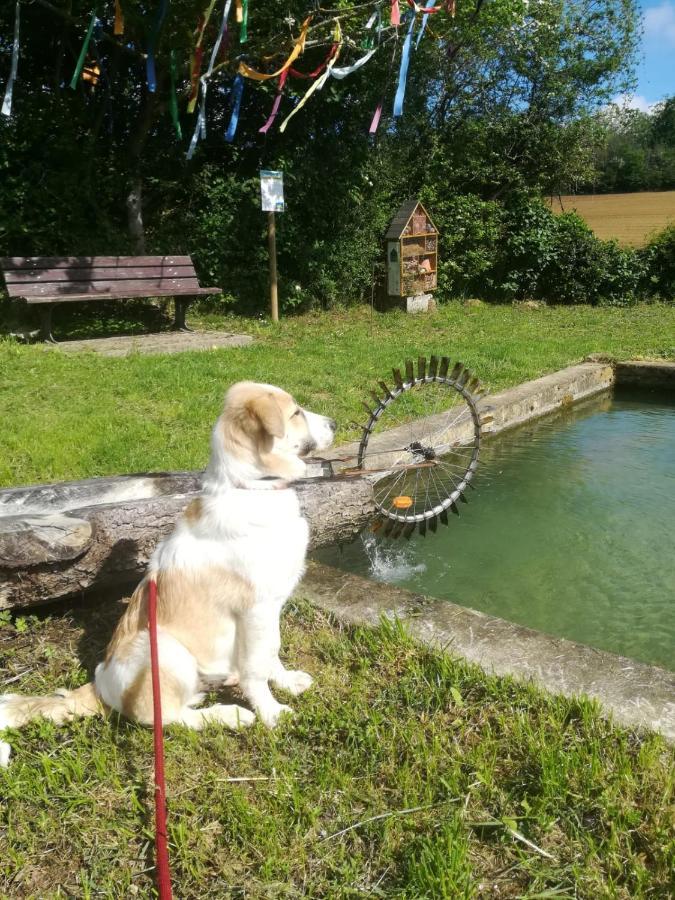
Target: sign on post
x,y
272,190
272,196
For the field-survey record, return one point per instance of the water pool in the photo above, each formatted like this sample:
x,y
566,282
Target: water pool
x,y
571,530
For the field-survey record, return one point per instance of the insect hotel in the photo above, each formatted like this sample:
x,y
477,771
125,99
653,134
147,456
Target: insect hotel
x,y
412,257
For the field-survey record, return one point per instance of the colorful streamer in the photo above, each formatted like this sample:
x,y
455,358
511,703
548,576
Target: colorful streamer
x,y
150,74
343,71
319,69
197,57
395,17
319,83
376,118
367,41
173,103
83,52
243,31
403,71
298,48
118,27
200,126
277,101
429,4
237,92
9,90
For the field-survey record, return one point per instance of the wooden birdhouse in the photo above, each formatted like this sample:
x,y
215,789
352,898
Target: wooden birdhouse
x,y
412,252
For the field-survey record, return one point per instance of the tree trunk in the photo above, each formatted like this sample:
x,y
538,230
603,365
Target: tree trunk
x,y
137,141
58,540
135,216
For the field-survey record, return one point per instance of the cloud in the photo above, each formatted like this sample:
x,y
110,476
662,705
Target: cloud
x,y
633,101
660,23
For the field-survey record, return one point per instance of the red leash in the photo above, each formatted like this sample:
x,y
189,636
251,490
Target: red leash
x,y
162,871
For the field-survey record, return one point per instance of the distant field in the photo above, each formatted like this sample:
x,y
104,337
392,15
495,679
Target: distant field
x,y
630,218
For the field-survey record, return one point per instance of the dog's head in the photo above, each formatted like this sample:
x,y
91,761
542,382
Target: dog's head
x,y
265,432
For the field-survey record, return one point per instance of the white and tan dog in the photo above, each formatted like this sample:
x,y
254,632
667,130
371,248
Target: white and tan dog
x,y
223,576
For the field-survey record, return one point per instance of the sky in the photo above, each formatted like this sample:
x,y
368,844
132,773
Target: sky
x,y
656,71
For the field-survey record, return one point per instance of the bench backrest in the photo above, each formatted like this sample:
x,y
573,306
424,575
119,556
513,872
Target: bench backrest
x,y
33,277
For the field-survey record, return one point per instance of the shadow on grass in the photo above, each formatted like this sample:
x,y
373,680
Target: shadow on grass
x,y
80,321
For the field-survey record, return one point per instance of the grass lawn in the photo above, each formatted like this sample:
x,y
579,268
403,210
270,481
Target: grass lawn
x,y
404,773
71,416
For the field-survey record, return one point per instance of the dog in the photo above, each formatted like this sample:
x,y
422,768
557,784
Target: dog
x,y
223,576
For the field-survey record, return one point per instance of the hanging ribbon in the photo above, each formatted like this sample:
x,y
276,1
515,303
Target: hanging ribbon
x,y
296,74
298,48
343,71
367,41
173,103
395,17
200,127
150,74
9,90
429,4
403,71
118,27
319,69
376,118
83,52
243,31
378,112
237,91
197,57
319,83
429,8
277,101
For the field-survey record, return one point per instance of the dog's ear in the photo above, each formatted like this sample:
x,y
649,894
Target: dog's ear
x,y
268,413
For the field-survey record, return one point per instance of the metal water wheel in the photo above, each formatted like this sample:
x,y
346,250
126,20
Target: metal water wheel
x,y
421,444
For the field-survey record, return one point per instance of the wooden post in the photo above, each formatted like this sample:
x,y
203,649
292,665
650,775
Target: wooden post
x,y
272,237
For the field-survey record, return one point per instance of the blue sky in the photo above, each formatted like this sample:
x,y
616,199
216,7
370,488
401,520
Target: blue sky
x,y
656,71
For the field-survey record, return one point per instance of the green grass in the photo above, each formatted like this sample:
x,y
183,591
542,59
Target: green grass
x,y
404,773
72,416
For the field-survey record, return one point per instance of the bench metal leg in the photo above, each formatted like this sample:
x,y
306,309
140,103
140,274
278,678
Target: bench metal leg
x,y
46,323
179,320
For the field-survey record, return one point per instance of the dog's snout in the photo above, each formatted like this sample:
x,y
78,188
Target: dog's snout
x,y
332,424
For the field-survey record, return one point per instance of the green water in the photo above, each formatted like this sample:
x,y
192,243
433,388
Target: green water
x,y
571,531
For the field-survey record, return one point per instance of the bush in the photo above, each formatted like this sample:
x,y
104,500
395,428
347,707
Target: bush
x,y
659,262
521,250
584,269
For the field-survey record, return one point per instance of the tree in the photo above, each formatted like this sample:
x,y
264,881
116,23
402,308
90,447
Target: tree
x,y
494,102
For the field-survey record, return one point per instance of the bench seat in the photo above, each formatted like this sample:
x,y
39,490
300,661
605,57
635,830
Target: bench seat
x,y
50,280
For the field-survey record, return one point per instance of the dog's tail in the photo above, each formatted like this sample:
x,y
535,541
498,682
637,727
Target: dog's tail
x,y
17,710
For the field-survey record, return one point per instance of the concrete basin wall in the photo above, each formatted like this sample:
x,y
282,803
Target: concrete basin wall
x,y
636,694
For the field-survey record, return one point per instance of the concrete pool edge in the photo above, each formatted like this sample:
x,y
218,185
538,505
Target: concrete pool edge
x,y
636,694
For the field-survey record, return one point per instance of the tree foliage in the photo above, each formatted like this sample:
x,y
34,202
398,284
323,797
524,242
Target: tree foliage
x,y
635,150
495,107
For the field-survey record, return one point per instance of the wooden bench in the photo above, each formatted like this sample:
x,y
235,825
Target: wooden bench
x,y
50,280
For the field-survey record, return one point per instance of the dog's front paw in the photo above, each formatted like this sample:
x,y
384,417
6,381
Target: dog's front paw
x,y
5,753
233,716
293,681
270,714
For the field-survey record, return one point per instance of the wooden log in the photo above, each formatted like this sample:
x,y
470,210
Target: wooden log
x,y
61,539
